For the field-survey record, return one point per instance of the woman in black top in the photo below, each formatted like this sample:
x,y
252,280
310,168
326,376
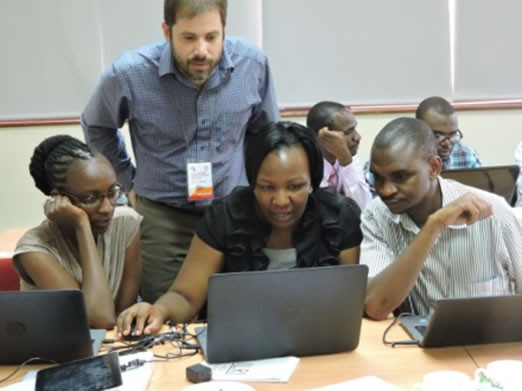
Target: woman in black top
x,y
281,220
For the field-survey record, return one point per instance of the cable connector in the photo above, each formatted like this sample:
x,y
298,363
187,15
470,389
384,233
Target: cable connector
x,y
133,364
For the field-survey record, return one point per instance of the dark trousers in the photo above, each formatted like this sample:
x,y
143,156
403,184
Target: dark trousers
x,y
166,233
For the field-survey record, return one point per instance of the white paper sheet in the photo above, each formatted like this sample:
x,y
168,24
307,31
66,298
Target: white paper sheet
x,y
273,370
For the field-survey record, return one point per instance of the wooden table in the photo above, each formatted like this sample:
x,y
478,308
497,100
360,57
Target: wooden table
x,y
402,365
484,354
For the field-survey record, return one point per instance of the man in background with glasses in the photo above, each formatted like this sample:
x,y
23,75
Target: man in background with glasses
x,y
440,115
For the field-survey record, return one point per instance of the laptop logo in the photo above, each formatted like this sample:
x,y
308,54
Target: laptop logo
x,y
288,313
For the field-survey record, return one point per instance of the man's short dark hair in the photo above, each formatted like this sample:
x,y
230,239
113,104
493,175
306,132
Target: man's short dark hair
x,y
279,135
173,9
407,131
435,103
322,114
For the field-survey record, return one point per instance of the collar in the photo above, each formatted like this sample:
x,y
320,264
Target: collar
x,y
166,62
447,191
327,168
226,63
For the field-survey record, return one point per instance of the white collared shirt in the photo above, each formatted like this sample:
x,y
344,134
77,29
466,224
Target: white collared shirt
x,y
482,259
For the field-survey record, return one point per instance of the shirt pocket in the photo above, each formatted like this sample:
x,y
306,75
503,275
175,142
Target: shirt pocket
x,y
231,127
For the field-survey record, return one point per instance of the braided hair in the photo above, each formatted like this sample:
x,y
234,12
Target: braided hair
x,y
52,158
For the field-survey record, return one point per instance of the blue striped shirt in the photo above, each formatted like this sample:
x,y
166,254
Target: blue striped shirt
x,y
171,121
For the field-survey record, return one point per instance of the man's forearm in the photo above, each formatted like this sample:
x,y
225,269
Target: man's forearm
x,y
388,289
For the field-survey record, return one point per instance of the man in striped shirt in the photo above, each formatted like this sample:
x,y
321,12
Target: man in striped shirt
x,y
427,238
189,99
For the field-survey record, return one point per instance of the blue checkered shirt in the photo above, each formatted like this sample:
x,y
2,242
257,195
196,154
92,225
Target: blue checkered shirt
x,y
171,121
462,156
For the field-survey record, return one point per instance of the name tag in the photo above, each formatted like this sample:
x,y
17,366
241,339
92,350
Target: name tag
x,y
199,181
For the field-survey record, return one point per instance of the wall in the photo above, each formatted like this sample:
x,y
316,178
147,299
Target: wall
x,y
494,134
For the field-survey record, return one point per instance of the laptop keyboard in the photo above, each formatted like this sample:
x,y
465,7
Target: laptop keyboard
x,y
421,329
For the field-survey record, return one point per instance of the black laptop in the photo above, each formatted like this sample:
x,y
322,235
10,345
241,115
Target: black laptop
x,y
50,324
500,180
293,312
468,321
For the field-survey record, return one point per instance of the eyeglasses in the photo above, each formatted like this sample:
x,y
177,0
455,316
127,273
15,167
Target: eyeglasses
x,y
454,137
93,200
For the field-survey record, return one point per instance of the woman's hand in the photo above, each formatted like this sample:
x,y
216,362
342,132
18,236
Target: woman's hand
x,y
59,209
149,319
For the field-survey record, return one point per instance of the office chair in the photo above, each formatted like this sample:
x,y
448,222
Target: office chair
x,y
9,279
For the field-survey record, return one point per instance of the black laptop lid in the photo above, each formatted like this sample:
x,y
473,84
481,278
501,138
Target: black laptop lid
x,y
300,312
49,324
500,180
476,320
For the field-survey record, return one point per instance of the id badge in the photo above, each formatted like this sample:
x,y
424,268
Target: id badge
x,y
199,181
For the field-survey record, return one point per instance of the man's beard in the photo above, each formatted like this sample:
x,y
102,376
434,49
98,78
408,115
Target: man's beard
x,y
198,77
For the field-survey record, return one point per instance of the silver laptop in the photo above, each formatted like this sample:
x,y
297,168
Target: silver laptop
x,y
50,324
468,321
299,312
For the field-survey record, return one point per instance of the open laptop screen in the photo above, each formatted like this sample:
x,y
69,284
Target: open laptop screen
x,y
468,321
500,180
255,315
50,324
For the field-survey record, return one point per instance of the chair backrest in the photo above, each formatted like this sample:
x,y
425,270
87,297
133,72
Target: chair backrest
x,y
9,279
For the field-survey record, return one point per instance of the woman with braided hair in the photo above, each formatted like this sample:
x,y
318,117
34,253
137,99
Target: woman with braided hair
x,y
85,242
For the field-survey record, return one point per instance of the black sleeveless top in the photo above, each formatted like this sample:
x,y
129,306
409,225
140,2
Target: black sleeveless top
x,y
330,224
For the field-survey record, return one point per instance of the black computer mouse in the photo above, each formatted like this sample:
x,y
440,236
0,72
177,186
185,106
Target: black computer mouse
x,y
132,335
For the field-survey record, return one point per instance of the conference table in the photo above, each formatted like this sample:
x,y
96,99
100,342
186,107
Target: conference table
x,y
402,365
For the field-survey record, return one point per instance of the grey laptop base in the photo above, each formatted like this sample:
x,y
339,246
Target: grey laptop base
x,y
468,321
48,324
97,337
300,312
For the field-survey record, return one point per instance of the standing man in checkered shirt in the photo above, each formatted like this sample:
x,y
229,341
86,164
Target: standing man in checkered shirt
x,y
440,115
189,101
